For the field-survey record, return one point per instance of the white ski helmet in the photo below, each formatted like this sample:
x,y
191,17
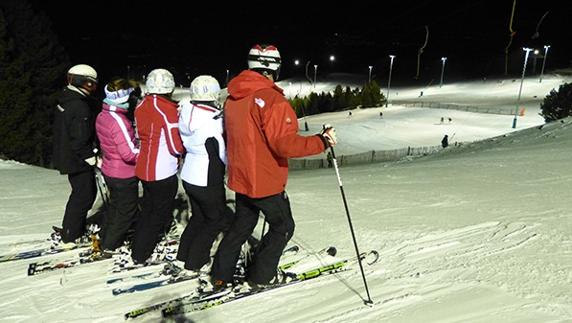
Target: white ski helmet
x,y
83,76
265,58
160,81
204,88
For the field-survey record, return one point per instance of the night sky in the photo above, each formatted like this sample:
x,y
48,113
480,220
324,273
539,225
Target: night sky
x,y
117,36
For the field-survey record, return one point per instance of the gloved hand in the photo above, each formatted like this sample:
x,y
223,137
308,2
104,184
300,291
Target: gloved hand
x,y
99,162
91,160
329,134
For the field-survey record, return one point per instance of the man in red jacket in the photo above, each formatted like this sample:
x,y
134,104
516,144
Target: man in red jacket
x,y
262,133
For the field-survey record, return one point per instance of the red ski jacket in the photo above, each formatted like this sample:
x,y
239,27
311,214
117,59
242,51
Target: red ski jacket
x,y
157,125
262,133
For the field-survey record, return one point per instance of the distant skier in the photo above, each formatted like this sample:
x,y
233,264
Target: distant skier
x,y
73,147
201,129
349,114
119,148
380,115
445,141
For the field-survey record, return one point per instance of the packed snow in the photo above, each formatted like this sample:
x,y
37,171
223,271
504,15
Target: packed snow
x,y
480,232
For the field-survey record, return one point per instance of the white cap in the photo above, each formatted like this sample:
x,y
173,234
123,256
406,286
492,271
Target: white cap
x,y
160,81
204,88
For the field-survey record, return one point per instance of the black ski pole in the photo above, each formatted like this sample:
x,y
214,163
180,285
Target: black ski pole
x,y
335,162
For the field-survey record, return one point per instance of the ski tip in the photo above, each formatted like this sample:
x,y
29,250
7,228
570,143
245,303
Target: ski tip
x,y
332,251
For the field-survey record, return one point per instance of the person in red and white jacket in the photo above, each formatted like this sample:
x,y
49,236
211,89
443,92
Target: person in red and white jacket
x,y
262,133
201,128
157,124
119,149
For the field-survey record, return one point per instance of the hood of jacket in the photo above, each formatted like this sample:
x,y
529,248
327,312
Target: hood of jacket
x,y
248,82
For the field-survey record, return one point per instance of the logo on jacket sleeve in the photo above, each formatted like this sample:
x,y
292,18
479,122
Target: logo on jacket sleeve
x,y
259,102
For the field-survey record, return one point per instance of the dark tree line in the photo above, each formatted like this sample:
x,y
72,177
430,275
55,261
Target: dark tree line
x,y
341,99
32,69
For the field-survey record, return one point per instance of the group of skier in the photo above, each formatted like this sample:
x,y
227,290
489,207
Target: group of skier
x,y
251,137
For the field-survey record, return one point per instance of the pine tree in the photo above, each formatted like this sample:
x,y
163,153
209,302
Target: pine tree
x,y
31,68
557,105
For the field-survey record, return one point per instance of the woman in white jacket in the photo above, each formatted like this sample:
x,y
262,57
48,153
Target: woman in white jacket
x,y
201,130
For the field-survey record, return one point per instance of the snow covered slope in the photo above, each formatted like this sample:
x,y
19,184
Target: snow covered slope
x,y
478,233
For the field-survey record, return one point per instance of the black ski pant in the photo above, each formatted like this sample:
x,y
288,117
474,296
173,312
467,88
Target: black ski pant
x,y
122,210
156,213
276,210
210,216
79,203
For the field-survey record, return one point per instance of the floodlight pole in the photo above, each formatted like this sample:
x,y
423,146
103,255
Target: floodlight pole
x,y
389,81
527,50
369,78
315,72
546,47
443,59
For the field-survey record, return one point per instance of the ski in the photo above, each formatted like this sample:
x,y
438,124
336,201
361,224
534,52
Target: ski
x,y
193,296
194,305
36,268
85,257
55,236
41,252
154,284
176,278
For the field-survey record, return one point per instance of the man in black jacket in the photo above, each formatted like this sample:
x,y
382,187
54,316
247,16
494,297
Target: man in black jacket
x,y
74,154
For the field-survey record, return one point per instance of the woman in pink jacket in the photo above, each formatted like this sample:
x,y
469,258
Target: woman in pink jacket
x,y
118,145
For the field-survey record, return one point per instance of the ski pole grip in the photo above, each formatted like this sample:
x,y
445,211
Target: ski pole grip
x,y
324,128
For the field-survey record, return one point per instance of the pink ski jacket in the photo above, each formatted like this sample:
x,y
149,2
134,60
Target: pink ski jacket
x,y
117,141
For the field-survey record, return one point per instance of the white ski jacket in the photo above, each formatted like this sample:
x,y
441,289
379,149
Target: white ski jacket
x,y
197,123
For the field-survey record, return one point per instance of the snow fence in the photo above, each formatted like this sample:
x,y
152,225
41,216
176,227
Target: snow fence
x,y
504,110
373,156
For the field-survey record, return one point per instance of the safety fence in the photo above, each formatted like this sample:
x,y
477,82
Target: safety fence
x,y
505,110
373,156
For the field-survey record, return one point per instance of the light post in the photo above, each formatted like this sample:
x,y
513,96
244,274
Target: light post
x,y
227,75
389,81
535,52
332,58
546,47
527,50
443,59
369,77
128,67
315,72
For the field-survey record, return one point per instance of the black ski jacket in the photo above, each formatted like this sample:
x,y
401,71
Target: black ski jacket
x,y
74,132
